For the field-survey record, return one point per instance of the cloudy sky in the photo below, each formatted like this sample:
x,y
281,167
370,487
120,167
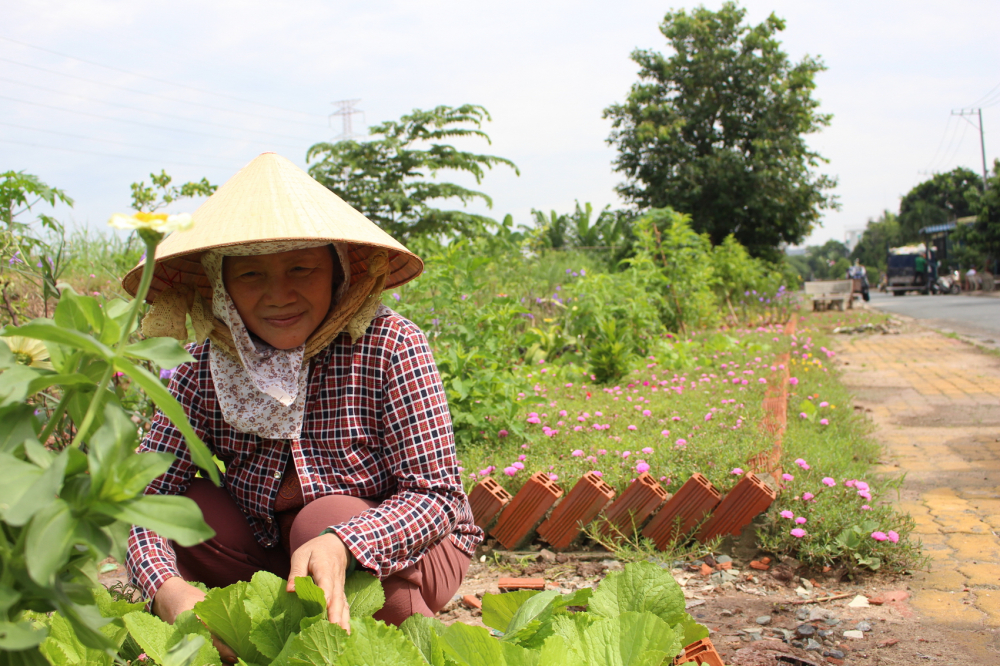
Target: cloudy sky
x,y
95,94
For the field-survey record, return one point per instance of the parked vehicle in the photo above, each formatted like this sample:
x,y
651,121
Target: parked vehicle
x,y
907,270
947,284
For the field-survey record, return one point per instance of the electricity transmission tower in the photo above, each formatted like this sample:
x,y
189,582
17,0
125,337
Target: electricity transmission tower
x,y
346,110
982,142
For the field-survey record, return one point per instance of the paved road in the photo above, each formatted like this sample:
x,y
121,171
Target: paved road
x,y
977,317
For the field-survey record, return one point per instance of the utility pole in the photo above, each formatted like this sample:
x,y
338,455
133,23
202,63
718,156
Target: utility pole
x,y
346,110
982,141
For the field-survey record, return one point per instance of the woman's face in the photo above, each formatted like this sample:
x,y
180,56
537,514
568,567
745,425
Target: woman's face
x,y
282,298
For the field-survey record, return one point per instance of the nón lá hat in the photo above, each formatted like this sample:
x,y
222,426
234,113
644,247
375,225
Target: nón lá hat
x,y
271,199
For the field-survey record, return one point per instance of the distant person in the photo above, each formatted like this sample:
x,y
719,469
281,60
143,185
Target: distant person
x,y
858,272
920,268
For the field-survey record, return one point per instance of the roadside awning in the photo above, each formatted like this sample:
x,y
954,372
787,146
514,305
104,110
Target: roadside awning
x,y
938,228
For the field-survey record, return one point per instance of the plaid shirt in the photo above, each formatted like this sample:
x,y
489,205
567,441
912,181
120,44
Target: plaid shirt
x,y
376,426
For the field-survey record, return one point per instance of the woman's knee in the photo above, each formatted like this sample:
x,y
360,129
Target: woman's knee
x,y
323,513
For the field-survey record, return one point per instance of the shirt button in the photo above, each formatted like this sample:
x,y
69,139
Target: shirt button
x,y
277,475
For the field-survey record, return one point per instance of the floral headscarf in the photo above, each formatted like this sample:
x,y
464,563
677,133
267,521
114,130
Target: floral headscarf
x,y
261,390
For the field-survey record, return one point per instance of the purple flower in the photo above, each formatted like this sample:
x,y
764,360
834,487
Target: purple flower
x,y
396,296
503,433
166,374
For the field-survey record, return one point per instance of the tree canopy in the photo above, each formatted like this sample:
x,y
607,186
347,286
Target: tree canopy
x,y
943,198
392,178
717,130
872,249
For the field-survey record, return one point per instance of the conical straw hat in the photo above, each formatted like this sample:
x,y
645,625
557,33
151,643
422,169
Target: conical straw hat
x,y
271,199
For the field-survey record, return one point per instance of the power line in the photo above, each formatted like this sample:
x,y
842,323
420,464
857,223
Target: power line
x,y
982,141
164,97
982,100
140,110
122,157
158,80
940,144
136,122
111,141
948,158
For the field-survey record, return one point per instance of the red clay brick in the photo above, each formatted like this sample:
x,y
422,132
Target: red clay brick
x,y
633,506
738,508
700,652
679,515
472,601
759,566
487,499
526,510
510,584
576,511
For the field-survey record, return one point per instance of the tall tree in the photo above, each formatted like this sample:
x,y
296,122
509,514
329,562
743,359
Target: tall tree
x,y
944,197
717,130
983,237
392,179
879,235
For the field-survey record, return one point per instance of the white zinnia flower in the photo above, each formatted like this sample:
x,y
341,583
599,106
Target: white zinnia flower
x,y
158,222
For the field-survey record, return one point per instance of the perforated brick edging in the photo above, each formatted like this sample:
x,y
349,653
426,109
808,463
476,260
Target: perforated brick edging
x,y
682,512
633,507
577,510
518,519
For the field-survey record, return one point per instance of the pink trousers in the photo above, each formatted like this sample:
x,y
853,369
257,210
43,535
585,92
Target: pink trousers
x,y
234,554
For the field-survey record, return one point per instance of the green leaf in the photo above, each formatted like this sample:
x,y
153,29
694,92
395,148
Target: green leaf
x,y
82,313
63,647
555,652
364,593
224,612
40,494
373,643
14,383
50,536
186,652
43,382
499,609
472,646
111,607
631,639
689,630
165,352
20,635
312,597
30,657
187,625
150,632
321,643
50,331
170,516
515,655
642,586
155,389
275,614
424,632
18,425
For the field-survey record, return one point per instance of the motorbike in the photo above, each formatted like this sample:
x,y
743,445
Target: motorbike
x,y
947,284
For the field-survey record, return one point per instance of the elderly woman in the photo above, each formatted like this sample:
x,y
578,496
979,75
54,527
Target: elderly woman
x,y
325,407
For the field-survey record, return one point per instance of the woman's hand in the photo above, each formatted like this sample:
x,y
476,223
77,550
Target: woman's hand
x,y
174,597
325,558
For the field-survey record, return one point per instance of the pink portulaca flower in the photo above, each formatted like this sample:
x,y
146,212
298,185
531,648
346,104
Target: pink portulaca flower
x,y
708,417
793,381
802,463
892,536
510,471
828,482
665,433
798,533
824,421
642,468
807,496
787,514
800,520
824,404
880,536
534,419
803,415
598,472
737,471
647,450
518,465
647,412
787,477
632,427
503,433
865,507
553,477
577,453
681,443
